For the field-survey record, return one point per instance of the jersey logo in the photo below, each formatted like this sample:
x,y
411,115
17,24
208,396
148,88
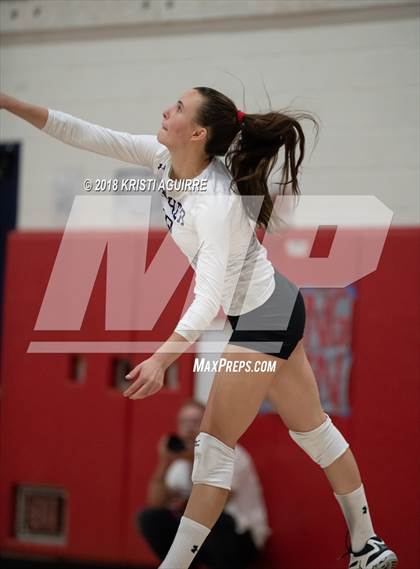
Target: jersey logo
x,y
177,211
169,222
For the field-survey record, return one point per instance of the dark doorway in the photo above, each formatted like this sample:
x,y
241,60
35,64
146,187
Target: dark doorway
x,y
9,173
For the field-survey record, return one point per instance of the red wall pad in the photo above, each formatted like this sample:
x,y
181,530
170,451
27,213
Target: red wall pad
x,y
76,456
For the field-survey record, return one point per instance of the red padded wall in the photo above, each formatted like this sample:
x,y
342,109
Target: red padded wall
x,y
382,429
102,448
85,437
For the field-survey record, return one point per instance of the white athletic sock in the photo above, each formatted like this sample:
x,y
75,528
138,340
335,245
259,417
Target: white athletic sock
x,y
188,540
356,512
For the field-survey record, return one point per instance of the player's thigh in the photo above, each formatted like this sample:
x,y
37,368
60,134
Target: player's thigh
x,y
294,393
235,397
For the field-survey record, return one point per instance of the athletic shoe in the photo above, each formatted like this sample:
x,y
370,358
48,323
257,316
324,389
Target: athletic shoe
x,y
374,555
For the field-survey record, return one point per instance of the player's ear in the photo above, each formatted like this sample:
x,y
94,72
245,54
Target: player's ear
x,y
199,133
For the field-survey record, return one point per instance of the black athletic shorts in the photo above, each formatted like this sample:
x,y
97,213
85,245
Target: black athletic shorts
x,y
275,327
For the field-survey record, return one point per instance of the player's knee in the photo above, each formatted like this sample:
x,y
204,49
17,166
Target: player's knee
x,y
213,462
323,444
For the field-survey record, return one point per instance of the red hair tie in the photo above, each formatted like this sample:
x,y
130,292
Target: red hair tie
x,y
240,116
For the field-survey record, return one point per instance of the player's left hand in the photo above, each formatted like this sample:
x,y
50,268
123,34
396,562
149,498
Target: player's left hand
x,y
148,379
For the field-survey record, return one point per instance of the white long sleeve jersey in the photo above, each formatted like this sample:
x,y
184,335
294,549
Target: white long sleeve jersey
x,y
211,227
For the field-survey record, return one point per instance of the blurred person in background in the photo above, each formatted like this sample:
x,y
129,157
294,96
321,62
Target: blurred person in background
x,y
241,530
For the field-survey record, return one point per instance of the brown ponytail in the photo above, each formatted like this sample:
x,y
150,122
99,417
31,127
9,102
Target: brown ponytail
x,y
251,148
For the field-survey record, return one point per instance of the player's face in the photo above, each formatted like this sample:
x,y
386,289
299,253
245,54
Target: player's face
x,y
188,423
179,129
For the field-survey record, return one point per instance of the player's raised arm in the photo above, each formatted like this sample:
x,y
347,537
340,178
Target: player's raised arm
x,y
31,113
136,148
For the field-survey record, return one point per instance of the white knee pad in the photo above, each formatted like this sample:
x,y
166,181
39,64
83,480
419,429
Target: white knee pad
x,y
213,462
323,444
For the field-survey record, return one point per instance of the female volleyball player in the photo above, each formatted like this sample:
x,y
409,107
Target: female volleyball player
x,y
265,309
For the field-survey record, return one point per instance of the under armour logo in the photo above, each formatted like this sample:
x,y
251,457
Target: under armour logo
x,y
194,549
161,166
196,443
364,510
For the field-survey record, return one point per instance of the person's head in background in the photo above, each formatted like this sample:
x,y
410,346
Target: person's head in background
x,y
189,420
